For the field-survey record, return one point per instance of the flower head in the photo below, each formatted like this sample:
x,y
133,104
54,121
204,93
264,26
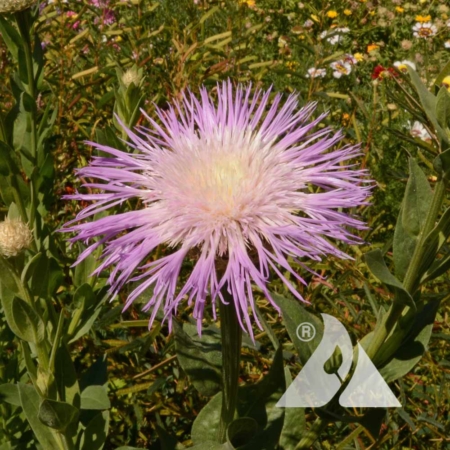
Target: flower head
x,y
424,30
341,68
402,66
316,73
15,236
10,6
417,130
228,187
332,14
423,19
380,72
446,82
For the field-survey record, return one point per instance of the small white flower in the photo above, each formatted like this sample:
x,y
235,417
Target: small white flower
x,y
402,65
343,30
316,73
14,237
419,131
424,30
447,44
308,24
341,68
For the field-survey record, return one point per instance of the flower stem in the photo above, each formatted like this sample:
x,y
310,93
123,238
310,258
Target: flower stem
x,y
312,435
231,353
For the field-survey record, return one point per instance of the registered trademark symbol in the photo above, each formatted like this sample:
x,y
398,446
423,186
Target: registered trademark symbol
x,y
306,332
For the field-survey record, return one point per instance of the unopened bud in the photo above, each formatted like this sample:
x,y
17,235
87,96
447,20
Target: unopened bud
x,y
131,76
15,236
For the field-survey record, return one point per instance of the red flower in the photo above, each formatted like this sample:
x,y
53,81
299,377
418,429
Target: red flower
x,y
380,72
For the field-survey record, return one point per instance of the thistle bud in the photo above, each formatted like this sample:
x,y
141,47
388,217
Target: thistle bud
x,y
132,76
10,6
14,237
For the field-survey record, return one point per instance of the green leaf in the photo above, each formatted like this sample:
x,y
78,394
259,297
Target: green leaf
x,y
57,415
9,278
94,435
95,397
66,377
294,426
241,431
257,402
9,394
294,314
27,323
30,402
414,346
442,165
87,309
434,242
417,200
200,357
84,269
373,421
11,37
444,72
377,266
428,101
443,107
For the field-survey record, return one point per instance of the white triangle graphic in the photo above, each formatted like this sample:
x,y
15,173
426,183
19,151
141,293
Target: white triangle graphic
x,y
313,387
367,387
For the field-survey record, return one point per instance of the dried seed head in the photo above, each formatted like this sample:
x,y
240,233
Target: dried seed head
x,y
131,76
9,6
14,237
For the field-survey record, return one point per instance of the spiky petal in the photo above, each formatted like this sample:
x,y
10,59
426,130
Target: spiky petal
x,y
244,181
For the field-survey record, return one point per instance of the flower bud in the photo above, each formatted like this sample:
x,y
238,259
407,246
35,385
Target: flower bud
x,y
131,76
14,237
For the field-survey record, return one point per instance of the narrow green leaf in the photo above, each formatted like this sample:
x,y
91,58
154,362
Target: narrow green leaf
x,y
294,426
443,107
29,326
294,314
377,266
413,348
9,393
30,402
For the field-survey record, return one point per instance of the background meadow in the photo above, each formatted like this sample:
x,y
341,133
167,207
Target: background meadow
x,y
102,57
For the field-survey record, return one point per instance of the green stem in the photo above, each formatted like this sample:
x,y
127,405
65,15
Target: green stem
x,y
23,23
231,352
312,434
412,277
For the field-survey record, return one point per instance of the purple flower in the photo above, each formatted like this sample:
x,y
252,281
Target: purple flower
x,y
238,187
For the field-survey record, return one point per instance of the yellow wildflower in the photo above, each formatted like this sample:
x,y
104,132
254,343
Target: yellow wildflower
x,y
315,18
348,12
372,47
423,19
446,82
332,14
399,9
372,13
345,119
249,3
359,57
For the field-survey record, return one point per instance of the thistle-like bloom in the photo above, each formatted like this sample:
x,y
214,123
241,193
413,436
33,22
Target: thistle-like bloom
x,y
15,236
237,188
10,6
